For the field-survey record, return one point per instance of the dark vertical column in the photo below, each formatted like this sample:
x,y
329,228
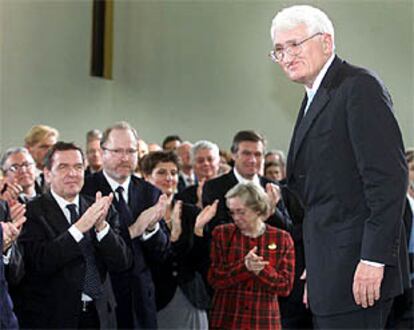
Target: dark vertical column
x,y
102,39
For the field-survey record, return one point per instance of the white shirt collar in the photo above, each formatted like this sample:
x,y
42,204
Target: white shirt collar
x,y
240,179
411,200
63,203
319,77
114,185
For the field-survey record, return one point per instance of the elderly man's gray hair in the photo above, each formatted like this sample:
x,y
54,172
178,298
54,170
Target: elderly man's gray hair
x,y
204,144
313,18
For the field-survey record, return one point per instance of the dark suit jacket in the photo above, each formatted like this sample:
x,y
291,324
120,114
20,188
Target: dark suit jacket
x,y
50,293
134,289
14,270
188,195
218,187
7,318
346,164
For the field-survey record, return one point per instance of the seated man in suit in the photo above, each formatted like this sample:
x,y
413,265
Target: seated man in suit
x,y
70,242
140,208
248,154
187,176
171,142
93,151
205,159
18,168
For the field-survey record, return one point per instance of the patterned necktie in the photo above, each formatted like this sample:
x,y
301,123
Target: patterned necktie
x,y
92,285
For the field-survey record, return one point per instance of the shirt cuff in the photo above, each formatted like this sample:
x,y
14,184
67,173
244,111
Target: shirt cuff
x,y
7,256
372,263
76,233
147,235
100,235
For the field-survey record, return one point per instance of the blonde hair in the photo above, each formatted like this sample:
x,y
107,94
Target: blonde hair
x,y
252,196
38,133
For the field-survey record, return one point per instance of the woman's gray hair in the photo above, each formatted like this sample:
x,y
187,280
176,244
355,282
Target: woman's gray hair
x,y
313,18
204,144
252,196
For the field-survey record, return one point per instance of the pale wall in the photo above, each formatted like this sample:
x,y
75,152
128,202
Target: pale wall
x,y
196,68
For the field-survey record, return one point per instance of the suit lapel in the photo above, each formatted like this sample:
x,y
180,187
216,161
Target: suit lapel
x,y
292,142
55,217
318,104
103,185
315,109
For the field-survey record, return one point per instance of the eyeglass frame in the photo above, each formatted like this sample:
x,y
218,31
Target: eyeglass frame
x,y
289,49
119,152
14,168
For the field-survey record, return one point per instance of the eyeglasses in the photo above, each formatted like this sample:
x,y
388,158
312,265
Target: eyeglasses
x,y
295,48
19,167
120,152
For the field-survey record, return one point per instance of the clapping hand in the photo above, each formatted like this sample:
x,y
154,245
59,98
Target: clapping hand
x,y
95,215
273,193
176,228
9,191
254,262
149,218
205,217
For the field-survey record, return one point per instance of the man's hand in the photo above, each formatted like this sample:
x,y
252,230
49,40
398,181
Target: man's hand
x,y
101,223
10,191
273,193
10,234
149,218
96,212
205,217
17,214
253,262
305,289
367,284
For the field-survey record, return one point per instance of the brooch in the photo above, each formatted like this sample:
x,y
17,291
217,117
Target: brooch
x,y
272,246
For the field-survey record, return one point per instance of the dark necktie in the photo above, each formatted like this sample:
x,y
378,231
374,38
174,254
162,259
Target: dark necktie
x,y
123,209
92,285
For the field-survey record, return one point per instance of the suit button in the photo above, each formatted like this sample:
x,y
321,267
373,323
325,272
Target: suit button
x,y
175,273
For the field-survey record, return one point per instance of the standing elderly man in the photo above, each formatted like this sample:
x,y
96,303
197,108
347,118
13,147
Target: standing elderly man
x,y
346,164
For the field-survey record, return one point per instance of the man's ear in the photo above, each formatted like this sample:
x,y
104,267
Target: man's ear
x,y
327,44
47,174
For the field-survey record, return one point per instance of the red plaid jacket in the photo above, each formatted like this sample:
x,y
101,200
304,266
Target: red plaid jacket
x,y
243,300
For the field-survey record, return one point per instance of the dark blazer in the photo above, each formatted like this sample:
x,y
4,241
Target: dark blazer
x,y
50,293
14,270
218,187
346,164
188,195
185,266
134,288
7,318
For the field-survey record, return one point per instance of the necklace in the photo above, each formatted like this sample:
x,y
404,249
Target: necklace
x,y
258,233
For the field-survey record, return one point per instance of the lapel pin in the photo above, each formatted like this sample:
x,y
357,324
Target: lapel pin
x,y
272,246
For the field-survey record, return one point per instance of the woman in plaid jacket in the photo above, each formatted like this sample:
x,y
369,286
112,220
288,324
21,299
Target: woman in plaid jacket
x,y
251,264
